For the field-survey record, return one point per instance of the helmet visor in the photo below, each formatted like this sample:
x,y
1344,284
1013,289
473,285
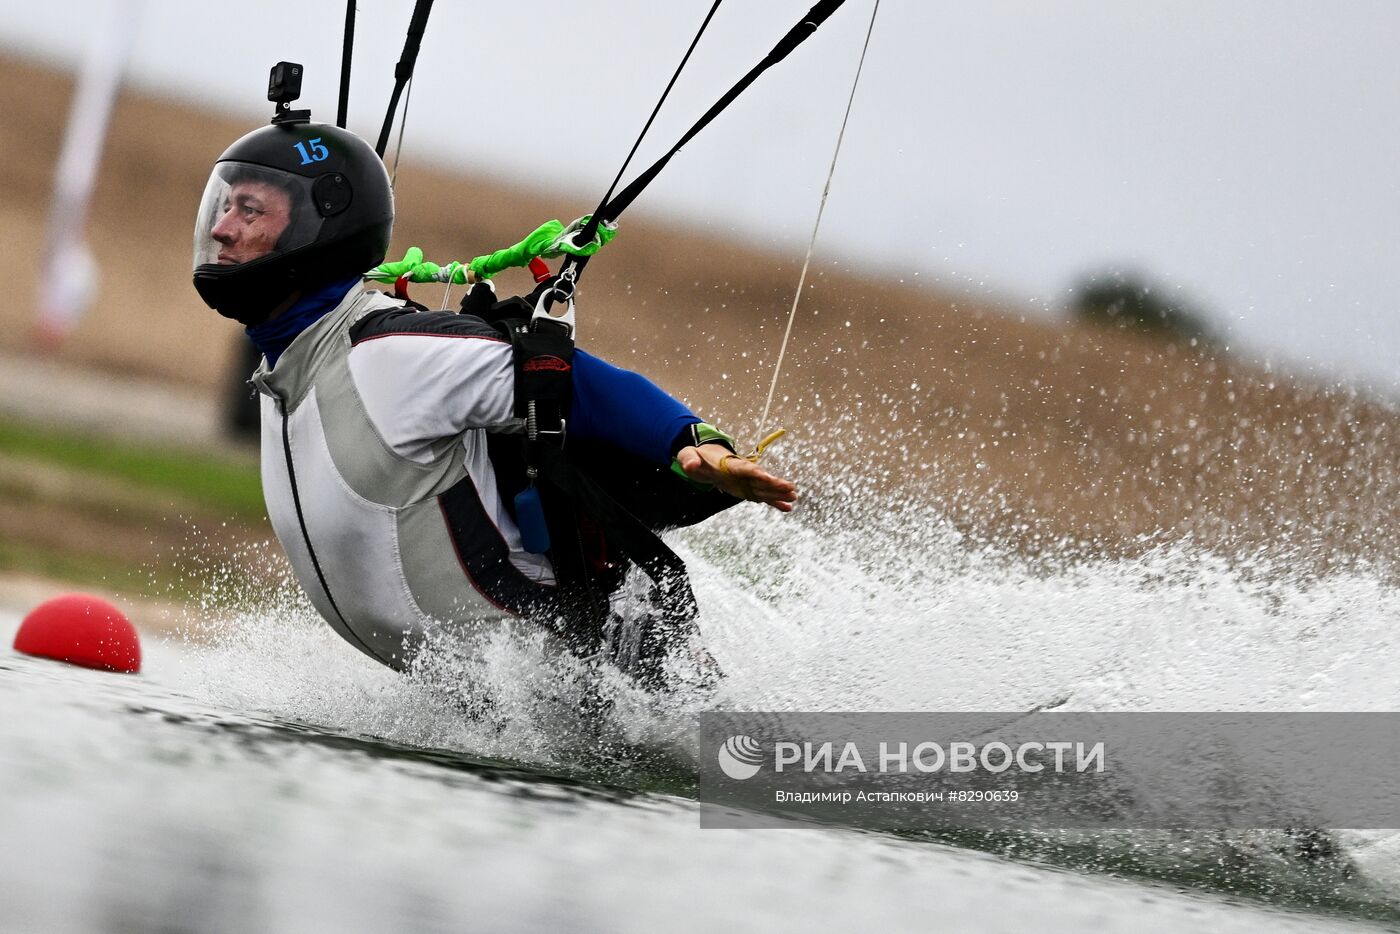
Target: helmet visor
x,y
250,212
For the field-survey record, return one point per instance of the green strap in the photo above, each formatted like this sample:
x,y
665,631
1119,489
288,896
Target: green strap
x,y
539,240
549,240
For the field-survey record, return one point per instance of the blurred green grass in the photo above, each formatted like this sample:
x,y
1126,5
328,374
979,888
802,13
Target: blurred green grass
x,y
66,565
120,514
217,483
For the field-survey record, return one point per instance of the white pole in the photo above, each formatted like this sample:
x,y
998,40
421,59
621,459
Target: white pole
x,y
69,274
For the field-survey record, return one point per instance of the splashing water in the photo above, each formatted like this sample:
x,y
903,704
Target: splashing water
x,y
854,622
839,611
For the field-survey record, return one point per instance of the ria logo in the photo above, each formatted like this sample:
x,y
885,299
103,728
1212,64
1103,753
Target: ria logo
x,y
740,757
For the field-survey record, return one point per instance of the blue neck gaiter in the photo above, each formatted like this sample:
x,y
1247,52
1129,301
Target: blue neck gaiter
x,y
275,336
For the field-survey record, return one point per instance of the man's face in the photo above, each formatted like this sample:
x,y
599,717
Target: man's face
x,y
253,216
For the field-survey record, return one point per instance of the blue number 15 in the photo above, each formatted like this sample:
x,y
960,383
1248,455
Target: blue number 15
x,y
317,153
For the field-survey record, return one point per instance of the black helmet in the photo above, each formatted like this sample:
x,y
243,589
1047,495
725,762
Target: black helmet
x,y
290,206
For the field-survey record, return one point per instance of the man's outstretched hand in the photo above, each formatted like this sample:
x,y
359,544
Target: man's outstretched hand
x,y
739,478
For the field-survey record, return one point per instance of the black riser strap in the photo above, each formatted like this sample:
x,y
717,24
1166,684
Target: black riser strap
x,y
544,364
591,228
346,56
636,541
795,37
404,69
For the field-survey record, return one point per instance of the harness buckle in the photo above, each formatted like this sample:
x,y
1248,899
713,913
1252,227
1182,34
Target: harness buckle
x,y
533,431
561,292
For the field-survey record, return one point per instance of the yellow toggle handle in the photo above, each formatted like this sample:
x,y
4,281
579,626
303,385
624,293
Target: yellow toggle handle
x,y
763,445
757,451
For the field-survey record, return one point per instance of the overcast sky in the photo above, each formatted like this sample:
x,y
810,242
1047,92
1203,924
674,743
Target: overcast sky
x,y
1245,152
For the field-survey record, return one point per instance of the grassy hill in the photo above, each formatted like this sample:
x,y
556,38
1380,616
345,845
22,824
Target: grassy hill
x,y
1023,428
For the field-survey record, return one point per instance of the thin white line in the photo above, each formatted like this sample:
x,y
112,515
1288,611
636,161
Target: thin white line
x,y
398,147
811,245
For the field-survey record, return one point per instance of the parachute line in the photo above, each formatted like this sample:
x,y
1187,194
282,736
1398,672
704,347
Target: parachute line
x,y
346,55
588,232
821,207
403,71
818,14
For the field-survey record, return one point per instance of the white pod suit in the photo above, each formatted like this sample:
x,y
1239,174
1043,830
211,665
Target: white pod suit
x,y
377,478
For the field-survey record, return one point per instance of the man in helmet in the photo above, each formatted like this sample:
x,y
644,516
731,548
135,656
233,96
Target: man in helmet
x,y
256,212
391,435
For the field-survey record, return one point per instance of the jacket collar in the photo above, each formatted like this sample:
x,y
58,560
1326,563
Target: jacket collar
x,y
290,379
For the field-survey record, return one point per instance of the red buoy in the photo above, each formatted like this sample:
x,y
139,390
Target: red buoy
x,y
81,629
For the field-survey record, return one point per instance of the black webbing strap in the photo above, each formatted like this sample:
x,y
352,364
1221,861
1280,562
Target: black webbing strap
x,y
404,69
639,543
592,228
346,56
543,357
544,384
798,34
544,361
